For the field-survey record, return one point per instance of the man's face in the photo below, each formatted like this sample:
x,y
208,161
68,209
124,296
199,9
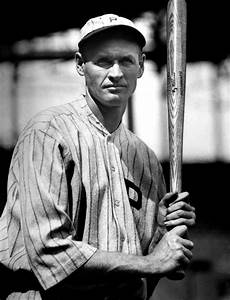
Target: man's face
x,y
111,68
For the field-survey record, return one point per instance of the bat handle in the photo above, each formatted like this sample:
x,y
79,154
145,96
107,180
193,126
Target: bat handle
x,y
176,151
178,275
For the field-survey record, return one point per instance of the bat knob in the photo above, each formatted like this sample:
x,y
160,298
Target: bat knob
x,y
178,275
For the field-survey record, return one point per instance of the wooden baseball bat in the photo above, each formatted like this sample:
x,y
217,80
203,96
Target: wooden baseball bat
x,y
176,78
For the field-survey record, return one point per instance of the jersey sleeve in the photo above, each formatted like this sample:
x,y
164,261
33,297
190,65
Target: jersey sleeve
x,y
48,201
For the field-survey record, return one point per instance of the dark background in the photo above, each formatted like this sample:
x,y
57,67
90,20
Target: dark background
x,y
207,30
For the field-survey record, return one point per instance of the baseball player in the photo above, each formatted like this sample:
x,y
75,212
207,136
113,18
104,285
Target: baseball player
x,y
87,214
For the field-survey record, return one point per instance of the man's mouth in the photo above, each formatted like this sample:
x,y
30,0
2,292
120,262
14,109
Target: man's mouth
x,y
115,86
116,89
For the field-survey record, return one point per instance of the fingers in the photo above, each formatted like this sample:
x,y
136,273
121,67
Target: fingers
x,y
180,204
186,257
173,252
180,217
177,222
174,197
188,244
180,212
184,246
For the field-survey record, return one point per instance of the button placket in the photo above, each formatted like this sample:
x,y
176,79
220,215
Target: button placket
x,y
117,202
113,171
114,178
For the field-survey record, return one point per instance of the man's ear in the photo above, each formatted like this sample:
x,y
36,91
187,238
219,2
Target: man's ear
x,y
79,63
141,65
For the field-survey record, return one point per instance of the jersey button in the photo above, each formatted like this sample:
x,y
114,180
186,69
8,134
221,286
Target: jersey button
x,y
113,169
117,203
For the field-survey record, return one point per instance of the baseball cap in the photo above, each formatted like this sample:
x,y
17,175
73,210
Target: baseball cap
x,y
108,21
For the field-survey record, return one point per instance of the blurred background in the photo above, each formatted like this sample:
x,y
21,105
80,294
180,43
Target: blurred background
x,y
37,70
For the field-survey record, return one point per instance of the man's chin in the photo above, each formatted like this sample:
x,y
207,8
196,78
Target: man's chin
x,y
115,100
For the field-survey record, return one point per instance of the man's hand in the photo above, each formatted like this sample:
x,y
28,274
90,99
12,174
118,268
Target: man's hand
x,y
175,209
173,252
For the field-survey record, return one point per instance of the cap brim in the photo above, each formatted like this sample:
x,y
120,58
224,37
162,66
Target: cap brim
x,y
138,36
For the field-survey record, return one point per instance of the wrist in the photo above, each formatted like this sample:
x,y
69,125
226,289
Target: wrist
x,y
152,266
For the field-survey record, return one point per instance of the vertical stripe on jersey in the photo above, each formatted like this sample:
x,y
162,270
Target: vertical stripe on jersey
x,y
63,196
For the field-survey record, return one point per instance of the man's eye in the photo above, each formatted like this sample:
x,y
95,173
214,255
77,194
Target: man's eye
x,y
104,63
126,62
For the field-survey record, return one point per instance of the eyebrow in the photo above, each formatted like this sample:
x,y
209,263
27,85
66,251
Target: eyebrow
x,y
111,57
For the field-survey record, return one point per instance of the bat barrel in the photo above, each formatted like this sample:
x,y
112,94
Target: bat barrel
x,y
176,78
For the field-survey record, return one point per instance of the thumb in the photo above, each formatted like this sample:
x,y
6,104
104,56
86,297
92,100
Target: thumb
x,y
169,198
180,230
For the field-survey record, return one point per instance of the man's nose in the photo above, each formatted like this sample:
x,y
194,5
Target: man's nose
x,y
115,71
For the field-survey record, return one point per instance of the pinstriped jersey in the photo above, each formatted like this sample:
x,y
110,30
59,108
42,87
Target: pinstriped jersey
x,y
73,188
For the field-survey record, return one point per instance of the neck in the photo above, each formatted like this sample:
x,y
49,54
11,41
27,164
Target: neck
x,y
110,117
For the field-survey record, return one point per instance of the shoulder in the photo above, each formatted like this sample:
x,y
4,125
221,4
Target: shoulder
x,y
49,126
51,118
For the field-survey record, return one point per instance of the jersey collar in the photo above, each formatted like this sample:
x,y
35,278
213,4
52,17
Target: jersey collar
x,y
94,120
